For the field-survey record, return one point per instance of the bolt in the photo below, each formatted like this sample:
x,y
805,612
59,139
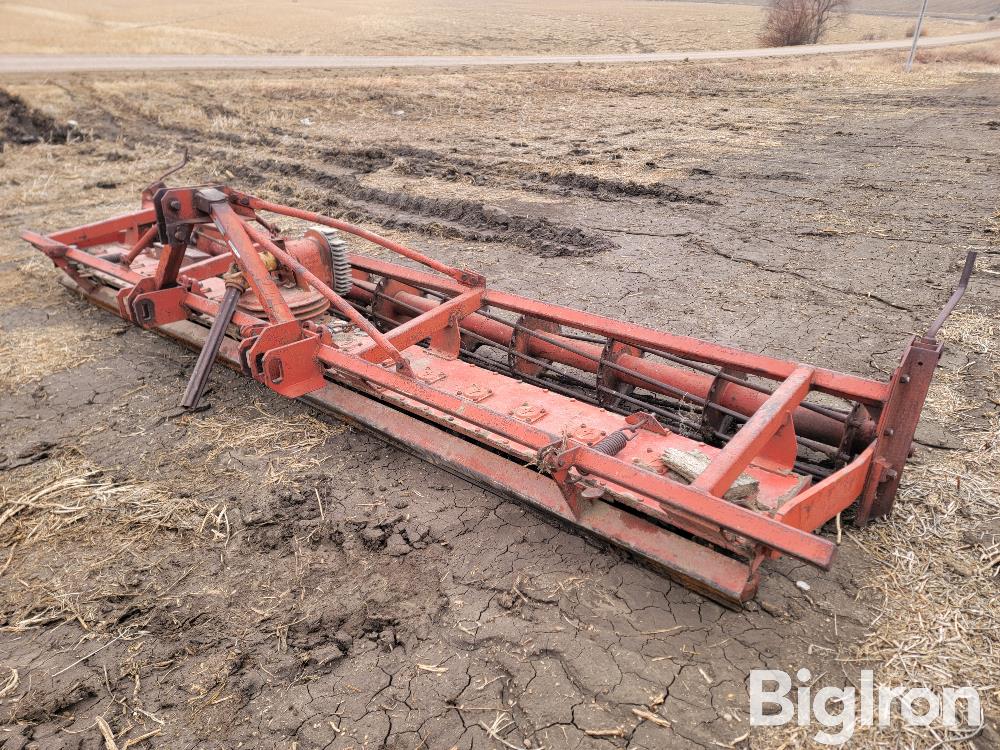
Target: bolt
x,y
175,205
890,432
904,379
179,235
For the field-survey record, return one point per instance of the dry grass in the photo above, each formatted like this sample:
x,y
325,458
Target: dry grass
x,y
357,27
68,500
626,106
73,491
974,55
31,283
936,567
28,354
275,447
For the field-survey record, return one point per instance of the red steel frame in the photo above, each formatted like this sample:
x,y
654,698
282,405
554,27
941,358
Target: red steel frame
x,y
598,470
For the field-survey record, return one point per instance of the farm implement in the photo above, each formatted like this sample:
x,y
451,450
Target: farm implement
x,y
700,458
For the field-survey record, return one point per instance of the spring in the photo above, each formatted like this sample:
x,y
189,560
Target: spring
x,y
342,279
612,444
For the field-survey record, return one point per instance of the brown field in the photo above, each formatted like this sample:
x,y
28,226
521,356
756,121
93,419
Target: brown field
x,y
973,10
389,27
210,580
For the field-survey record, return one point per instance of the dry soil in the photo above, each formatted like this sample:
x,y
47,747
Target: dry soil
x,y
254,576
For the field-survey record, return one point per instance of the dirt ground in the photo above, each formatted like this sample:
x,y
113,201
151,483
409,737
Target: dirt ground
x,y
388,27
255,576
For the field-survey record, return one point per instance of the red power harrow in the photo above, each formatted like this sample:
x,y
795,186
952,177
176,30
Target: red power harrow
x,y
701,458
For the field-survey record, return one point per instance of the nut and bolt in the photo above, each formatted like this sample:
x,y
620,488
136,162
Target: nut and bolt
x,y
888,475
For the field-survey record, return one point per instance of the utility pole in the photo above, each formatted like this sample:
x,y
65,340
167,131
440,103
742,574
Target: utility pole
x,y
916,36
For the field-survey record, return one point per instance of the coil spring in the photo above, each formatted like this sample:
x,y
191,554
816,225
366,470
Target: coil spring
x,y
342,280
612,444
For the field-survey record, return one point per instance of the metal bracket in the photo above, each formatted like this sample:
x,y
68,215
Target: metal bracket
x,y
284,357
896,427
712,420
159,307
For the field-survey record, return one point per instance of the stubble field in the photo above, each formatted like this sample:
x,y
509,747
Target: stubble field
x,y
233,578
389,27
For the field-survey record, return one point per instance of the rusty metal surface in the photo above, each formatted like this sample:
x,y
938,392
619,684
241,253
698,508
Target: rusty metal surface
x,y
591,404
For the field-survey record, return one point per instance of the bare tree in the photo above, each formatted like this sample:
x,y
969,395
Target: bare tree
x,y
793,22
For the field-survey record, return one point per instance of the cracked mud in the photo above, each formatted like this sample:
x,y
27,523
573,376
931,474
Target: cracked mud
x,y
280,580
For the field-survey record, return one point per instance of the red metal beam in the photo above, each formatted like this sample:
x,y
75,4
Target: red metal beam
x,y
464,278
234,231
838,384
141,244
749,441
425,325
750,524
102,232
815,506
629,496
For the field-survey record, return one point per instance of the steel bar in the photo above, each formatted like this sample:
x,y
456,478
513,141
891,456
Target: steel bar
x,y
206,358
316,218
143,242
956,296
235,233
747,523
917,29
108,230
211,266
750,441
418,328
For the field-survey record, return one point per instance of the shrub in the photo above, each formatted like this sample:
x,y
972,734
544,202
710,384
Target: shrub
x,y
794,22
